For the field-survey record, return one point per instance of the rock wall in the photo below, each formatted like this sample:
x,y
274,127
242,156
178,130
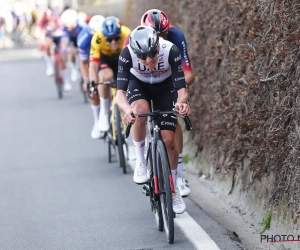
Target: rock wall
x,y
245,100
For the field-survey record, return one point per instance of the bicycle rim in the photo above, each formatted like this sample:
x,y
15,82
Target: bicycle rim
x,y
120,138
165,191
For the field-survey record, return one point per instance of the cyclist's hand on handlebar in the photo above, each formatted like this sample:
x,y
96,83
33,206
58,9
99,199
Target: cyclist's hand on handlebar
x,y
86,85
130,116
182,108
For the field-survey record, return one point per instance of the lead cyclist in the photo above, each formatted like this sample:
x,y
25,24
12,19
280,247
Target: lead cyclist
x,y
150,69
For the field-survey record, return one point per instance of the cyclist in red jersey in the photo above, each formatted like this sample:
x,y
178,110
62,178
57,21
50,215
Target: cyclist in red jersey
x,y
158,20
50,27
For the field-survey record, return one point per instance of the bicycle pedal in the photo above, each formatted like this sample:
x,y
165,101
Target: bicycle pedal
x,y
146,190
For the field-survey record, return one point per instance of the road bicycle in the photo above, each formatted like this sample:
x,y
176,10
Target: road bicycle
x,y
116,135
160,185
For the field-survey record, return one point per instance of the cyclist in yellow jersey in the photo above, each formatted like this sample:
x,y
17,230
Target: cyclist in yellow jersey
x,y
106,46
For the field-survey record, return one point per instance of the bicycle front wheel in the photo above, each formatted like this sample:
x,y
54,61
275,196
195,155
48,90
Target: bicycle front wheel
x,y
120,139
165,191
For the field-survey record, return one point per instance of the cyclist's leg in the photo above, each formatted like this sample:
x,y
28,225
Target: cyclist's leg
x,y
64,42
107,73
72,52
164,100
137,98
181,182
48,58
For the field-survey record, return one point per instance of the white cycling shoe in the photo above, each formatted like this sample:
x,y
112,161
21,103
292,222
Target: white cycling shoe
x,y
103,122
96,133
67,86
178,203
74,75
49,71
183,187
140,173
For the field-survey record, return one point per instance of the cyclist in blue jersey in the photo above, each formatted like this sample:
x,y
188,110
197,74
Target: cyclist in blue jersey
x,y
84,43
71,27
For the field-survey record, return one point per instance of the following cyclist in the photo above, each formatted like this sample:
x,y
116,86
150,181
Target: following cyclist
x,y
106,46
71,29
84,41
159,21
150,69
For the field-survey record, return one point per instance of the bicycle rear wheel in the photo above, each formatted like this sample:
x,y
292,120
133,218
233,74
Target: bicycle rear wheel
x,y
120,138
165,191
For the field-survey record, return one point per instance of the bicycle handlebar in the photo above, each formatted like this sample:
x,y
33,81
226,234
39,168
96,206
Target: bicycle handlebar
x,y
186,119
92,88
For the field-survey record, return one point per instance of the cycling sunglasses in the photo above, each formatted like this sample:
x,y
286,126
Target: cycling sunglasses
x,y
151,54
112,38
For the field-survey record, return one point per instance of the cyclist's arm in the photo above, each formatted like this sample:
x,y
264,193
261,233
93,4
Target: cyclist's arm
x,y
124,66
177,37
95,57
177,74
83,42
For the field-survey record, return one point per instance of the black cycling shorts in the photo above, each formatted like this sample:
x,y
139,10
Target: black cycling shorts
x,y
106,62
162,95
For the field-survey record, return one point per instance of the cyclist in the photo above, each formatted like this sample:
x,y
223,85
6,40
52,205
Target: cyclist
x,y
106,46
84,40
71,29
150,68
159,21
51,32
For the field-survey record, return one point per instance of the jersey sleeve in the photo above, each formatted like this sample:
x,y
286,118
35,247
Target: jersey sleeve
x,y
124,66
176,67
95,50
83,42
177,37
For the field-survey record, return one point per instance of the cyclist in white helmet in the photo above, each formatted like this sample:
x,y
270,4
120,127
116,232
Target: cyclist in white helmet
x,y
84,41
71,29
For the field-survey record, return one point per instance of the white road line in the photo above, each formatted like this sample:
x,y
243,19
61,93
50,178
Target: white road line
x,y
191,229
196,235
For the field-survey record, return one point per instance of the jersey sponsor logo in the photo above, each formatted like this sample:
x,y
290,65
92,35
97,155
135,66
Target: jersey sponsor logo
x,y
178,79
152,72
177,58
120,69
165,115
164,46
122,79
160,59
168,123
98,40
122,59
133,96
180,68
185,56
136,90
174,117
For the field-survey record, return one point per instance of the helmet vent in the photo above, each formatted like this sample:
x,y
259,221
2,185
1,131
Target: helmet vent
x,y
140,28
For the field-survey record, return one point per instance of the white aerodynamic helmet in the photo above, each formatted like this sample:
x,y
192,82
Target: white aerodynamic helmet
x,y
69,17
95,23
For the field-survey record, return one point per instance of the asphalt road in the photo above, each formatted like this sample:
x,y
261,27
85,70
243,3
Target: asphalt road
x,y
57,190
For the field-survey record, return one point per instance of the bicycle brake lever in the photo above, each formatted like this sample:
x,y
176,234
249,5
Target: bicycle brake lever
x,y
127,132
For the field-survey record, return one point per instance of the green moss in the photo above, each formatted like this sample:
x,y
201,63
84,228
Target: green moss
x,y
186,159
266,223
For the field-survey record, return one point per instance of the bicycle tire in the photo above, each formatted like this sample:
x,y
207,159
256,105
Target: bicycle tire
x,y
120,138
58,80
165,192
154,199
